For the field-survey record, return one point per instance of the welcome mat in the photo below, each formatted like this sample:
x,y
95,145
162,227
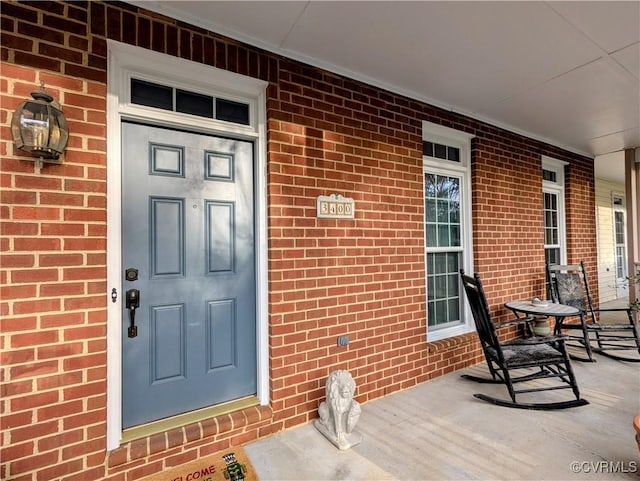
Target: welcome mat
x,y
229,465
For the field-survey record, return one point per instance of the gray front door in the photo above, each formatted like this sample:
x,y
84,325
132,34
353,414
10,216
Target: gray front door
x,y
188,248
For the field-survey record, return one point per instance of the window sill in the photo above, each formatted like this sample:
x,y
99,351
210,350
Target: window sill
x,y
440,345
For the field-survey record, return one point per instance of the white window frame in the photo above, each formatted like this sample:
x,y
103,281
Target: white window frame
x,y
557,188
443,135
622,207
125,62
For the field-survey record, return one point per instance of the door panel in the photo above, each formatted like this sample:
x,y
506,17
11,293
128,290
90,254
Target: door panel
x,y
220,235
168,350
188,228
166,224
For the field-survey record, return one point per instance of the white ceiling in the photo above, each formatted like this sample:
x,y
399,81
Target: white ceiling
x,y
610,167
564,72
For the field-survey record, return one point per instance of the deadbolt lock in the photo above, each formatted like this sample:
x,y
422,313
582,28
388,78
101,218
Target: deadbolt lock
x,y
131,274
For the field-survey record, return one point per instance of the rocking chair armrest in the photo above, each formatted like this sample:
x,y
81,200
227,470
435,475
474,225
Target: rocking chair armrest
x,y
514,322
614,309
533,340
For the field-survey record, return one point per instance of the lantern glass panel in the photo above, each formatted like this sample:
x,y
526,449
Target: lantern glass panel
x,y
35,126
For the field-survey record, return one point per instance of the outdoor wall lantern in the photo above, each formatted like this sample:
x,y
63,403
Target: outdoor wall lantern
x,y
39,127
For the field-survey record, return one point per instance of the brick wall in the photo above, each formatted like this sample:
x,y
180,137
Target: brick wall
x,y
54,283
362,277
581,212
508,218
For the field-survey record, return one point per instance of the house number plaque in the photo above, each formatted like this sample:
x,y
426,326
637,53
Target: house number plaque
x,y
335,206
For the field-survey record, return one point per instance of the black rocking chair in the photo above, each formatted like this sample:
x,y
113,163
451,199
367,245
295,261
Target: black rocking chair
x,y
519,360
568,284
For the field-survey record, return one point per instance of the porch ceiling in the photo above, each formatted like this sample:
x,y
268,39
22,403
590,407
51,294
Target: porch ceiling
x,y
564,72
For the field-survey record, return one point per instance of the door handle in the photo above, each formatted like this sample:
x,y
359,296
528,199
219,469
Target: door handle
x,y
132,303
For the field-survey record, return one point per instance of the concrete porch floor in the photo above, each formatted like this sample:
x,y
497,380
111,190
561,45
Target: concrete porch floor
x,y
439,431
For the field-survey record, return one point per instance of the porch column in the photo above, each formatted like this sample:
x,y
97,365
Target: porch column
x,y
632,188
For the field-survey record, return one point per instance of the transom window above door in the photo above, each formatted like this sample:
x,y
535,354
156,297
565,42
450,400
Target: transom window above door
x,y
165,97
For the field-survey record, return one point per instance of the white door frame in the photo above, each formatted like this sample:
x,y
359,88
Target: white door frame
x,y
125,61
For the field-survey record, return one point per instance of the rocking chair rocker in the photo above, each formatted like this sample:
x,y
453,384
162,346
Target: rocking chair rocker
x,y
568,284
520,360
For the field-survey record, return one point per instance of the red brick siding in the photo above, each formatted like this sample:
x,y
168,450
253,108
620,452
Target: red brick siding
x,y
581,238
362,277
